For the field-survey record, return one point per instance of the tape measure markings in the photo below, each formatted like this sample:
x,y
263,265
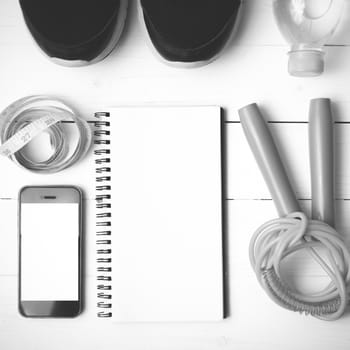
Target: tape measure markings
x,y
28,133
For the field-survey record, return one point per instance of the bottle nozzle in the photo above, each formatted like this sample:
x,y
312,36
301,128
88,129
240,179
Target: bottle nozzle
x,y
306,63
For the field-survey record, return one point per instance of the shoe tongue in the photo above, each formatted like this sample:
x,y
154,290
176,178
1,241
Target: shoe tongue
x,y
189,23
69,22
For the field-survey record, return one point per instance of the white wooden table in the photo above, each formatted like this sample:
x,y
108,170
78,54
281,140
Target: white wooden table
x,y
253,69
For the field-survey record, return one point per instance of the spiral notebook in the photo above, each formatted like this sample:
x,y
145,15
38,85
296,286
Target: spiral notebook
x,y
159,203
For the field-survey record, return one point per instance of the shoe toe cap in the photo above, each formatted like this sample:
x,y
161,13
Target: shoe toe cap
x,y
71,29
189,30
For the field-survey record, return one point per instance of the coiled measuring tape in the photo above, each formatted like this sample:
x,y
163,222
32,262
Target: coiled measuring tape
x,y
30,116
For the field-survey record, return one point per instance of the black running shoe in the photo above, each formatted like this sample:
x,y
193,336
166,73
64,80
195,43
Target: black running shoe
x,y
75,32
190,32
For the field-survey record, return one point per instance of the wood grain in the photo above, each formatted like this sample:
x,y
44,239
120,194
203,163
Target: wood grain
x,y
252,69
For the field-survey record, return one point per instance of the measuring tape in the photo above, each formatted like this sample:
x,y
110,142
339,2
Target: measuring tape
x,y
30,116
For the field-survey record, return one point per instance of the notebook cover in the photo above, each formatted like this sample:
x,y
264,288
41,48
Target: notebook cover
x,y
166,214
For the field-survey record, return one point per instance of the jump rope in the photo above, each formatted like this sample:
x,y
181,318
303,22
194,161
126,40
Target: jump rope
x,y
293,231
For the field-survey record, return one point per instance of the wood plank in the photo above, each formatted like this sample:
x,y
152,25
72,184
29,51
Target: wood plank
x,y
251,311
236,79
244,73
245,180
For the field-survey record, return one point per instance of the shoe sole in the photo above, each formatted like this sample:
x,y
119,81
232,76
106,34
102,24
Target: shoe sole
x,y
179,64
107,50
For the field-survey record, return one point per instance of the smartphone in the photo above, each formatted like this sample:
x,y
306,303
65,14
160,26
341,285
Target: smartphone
x,y
50,234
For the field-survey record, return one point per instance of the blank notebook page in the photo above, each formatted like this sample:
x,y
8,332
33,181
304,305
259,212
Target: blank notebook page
x,y
167,262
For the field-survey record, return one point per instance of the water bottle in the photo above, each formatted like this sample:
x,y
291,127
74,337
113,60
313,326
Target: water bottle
x,y
307,25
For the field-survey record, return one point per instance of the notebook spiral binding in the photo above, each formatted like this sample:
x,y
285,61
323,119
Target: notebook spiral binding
x,y
103,214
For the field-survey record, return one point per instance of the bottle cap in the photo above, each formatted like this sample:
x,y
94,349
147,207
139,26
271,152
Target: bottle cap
x,y
306,63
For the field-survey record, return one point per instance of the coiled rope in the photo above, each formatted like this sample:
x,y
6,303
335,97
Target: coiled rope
x,y
278,239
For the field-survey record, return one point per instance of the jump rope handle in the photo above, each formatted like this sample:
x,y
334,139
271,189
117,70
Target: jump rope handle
x,y
268,159
321,146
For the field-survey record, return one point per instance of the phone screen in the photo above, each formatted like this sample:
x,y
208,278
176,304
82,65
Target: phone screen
x,y
49,251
